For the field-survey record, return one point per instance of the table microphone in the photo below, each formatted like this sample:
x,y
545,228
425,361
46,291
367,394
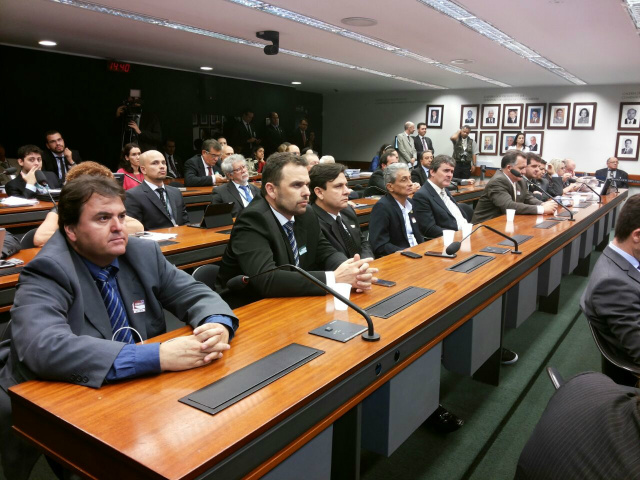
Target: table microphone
x,y
455,246
10,171
41,178
241,281
516,173
133,178
586,184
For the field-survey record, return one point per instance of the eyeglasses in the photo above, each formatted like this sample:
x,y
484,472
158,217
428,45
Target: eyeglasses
x,y
239,169
214,155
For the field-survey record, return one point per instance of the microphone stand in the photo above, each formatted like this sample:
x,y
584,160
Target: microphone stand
x,y
597,194
133,178
42,180
370,335
518,174
455,246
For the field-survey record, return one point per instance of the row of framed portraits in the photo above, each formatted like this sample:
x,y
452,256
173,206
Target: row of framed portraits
x,y
493,142
532,116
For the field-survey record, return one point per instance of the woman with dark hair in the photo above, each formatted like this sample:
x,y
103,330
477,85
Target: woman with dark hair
x,y
518,143
583,116
130,165
260,161
375,163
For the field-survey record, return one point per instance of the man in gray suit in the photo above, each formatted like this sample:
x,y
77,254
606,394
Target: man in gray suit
x,y
88,296
238,191
611,301
406,145
153,203
506,191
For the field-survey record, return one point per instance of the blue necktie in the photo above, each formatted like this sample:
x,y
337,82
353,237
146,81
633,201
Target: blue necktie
x,y
288,228
115,308
247,193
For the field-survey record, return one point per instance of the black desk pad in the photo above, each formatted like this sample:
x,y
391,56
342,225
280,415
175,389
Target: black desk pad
x,y
398,301
226,232
547,224
233,388
582,205
518,238
468,265
166,243
563,213
9,270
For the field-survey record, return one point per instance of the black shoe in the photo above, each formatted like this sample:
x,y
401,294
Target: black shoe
x,y
508,357
443,421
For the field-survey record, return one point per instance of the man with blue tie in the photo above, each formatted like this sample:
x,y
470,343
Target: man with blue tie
x,y
57,158
238,190
86,299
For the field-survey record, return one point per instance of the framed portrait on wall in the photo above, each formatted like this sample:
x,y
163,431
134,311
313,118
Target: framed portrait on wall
x,y
584,116
507,139
469,116
488,144
490,117
629,119
473,134
434,116
627,146
512,116
204,119
559,114
534,140
534,115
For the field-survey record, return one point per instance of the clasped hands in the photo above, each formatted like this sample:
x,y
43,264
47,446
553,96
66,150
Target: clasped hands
x,y
205,345
356,272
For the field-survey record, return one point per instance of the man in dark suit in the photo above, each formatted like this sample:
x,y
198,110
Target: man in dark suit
x,y
619,178
435,209
421,141
300,137
393,225
627,149
611,301
420,172
533,172
153,203
280,228
25,184
238,190
80,299
245,139
203,170
274,135
631,117
590,429
506,191
389,157
338,221
490,118
57,158
174,163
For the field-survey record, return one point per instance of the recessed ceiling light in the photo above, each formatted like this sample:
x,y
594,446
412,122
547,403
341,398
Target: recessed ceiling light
x,y
296,83
461,61
359,22
206,69
47,43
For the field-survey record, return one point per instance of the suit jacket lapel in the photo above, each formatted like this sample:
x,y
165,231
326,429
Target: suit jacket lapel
x,y
155,199
348,222
233,191
277,229
619,260
398,210
131,291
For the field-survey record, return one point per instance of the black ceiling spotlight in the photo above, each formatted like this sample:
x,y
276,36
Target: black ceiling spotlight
x,y
270,36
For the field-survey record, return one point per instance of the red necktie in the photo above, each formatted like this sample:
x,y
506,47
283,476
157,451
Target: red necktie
x,y
210,171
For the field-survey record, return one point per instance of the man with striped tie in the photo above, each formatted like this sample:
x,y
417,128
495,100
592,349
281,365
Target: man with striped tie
x,y
280,228
86,299
238,191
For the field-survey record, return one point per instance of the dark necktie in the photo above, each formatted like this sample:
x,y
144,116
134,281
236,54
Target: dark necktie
x,y
210,170
172,166
304,138
424,144
61,168
160,192
288,228
247,193
352,249
115,308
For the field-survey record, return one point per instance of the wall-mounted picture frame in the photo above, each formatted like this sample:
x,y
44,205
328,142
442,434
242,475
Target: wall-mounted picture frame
x,y
490,116
627,146
506,140
559,116
469,116
488,144
534,115
512,116
629,118
534,141
473,134
204,119
435,113
194,119
584,116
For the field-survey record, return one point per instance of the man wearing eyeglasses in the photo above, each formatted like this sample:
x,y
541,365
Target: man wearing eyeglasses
x,y
238,191
202,170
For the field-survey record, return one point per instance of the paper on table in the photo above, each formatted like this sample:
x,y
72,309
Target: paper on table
x,y
19,202
155,236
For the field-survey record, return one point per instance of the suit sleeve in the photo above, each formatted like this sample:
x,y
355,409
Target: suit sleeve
x,y
500,196
183,208
192,177
216,197
424,214
555,187
403,149
415,176
377,181
13,191
379,232
133,207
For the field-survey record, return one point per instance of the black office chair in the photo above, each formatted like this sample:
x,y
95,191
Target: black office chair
x,y
5,342
207,274
370,191
555,377
620,370
27,239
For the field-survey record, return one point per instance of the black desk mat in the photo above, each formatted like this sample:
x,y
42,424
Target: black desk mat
x,y
9,270
564,213
166,243
546,224
226,232
518,238
398,301
468,265
233,388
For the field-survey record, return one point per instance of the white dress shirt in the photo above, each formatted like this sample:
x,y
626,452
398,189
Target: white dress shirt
x,y
406,208
450,204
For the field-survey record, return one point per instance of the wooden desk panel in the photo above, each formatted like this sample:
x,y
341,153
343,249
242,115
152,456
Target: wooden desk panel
x,y
166,439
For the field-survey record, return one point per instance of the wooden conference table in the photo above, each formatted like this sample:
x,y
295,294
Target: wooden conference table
x,y
139,429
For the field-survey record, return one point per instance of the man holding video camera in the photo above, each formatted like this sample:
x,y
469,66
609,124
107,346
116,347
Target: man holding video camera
x,y
136,127
465,150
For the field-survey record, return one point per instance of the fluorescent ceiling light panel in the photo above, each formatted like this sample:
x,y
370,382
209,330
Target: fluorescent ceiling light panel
x,y
94,7
633,7
448,8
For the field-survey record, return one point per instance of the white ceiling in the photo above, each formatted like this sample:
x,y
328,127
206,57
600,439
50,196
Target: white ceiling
x,y
594,40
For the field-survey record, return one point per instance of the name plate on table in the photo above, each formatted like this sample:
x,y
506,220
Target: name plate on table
x,y
233,388
398,302
547,224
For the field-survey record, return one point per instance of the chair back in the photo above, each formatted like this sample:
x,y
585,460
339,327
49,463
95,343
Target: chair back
x,y
207,274
620,370
27,239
